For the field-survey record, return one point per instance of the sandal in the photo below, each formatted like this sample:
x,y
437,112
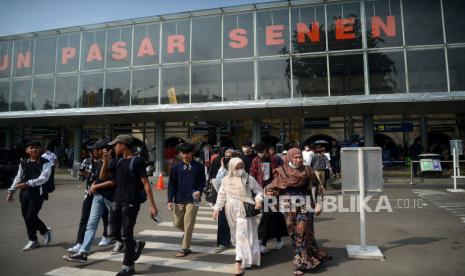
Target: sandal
x,y
183,252
298,272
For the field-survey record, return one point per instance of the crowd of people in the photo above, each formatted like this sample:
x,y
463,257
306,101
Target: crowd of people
x,y
237,184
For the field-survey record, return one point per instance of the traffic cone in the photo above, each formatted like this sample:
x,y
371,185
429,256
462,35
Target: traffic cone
x,y
160,185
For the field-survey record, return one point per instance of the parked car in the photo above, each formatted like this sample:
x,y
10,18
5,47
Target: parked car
x,y
9,163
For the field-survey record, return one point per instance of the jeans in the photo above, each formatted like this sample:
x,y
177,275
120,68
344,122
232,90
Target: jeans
x,y
30,209
85,213
223,236
99,206
123,218
336,165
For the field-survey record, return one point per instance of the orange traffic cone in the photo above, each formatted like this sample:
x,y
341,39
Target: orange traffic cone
x,y
160,185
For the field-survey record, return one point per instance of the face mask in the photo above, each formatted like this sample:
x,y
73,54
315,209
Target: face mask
x,y
307,149
244,149
261,155
239,172
292,165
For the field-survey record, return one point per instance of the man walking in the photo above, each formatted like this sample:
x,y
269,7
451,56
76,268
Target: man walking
x,y
33,175
185,187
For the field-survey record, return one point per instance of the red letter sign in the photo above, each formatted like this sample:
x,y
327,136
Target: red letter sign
x,y
94,53
377,24
119,50
145,48
176,41
5,63
274,35
24,61
239,38
67,53
345,28
303,30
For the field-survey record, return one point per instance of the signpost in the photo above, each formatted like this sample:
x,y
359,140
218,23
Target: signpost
x,y
457,150
370,164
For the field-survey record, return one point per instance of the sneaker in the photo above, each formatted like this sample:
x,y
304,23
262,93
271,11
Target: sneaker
x,y
263,249
278,245
119,248
76,258
48,237
139,247
104,241
219,249
30,245
74,249
126,272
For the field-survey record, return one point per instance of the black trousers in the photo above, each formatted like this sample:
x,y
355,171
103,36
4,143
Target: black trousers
x,y
223,236
85,213
30,209
123,219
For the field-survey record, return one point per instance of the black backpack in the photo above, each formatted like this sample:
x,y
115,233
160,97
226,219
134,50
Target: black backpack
x,y
48,186
137,182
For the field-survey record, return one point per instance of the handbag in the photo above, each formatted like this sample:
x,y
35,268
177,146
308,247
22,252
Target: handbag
x,y
210,193
249,208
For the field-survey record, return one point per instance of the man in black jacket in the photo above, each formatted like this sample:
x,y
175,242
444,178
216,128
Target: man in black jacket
x,y
32,176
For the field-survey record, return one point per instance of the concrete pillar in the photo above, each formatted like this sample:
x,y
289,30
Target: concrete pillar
x,y
77,149
256,131
368,132
159,147
350,128
9,136
424,133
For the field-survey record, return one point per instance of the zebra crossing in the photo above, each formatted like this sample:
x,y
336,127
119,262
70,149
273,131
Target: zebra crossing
x,y
202,243
453,203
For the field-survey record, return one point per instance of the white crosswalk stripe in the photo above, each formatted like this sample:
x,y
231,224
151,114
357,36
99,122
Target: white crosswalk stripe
x,y
159,239
447,201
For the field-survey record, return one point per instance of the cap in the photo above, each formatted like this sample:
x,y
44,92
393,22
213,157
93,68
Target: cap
x,y
100,144
123,138
186,147
31,142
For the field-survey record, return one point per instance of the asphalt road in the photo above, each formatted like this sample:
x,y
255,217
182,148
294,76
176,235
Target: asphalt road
x,y
424,239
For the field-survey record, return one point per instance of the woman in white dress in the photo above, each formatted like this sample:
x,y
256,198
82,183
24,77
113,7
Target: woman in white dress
x,y
244,230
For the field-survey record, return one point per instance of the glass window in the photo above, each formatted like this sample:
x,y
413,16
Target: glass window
x,y
176,35
93,50
384,26
273,32
42,94
23,56
21,95
238,35
175,85
66,92
145,87
5,58
206,38
45,55
119,47
423,23
68,52
387,72
91,90
4,95
206,83
146,44
427,71
274,79
238,83
346,75
117,90
456,58
344,26
310,77
454,13
308,29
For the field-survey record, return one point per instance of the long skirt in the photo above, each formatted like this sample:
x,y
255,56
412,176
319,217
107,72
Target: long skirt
x,y
307,255
243,234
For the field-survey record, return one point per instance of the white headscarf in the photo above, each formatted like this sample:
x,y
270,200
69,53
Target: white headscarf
x,y
233,185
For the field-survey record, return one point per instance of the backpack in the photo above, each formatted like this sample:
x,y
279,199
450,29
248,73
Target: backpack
x,y
49,186
136,182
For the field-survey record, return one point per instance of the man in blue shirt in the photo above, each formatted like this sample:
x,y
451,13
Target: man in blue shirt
x,y
185,187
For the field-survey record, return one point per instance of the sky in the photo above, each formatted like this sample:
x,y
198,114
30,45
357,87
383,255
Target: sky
x,y
24,16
